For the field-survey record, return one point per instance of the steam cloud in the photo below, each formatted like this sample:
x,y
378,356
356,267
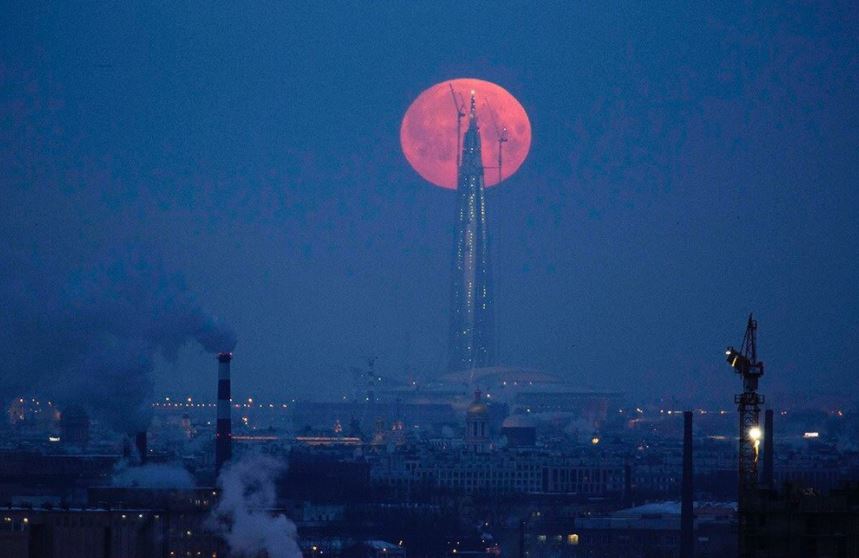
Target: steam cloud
x,y
242,515
90,337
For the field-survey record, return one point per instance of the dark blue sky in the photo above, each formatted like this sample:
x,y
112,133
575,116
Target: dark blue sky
x,y
689,164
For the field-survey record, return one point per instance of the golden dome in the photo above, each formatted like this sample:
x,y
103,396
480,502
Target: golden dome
x,y
477,407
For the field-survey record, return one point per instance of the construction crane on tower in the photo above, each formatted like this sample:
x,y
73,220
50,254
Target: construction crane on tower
x,y
745,363
459,105
501,137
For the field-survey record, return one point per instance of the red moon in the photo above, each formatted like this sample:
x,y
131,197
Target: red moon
x,y
428,132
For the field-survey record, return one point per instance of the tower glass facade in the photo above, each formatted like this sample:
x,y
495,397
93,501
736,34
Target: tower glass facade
x,y
472,315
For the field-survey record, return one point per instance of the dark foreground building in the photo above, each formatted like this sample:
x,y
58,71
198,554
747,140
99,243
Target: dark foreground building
x,y
800,522
102,533
117,522
647,531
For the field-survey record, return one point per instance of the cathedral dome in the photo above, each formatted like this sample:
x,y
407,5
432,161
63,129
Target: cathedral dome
x,y
477,408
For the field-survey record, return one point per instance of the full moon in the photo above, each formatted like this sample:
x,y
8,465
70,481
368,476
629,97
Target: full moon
x,y
428,134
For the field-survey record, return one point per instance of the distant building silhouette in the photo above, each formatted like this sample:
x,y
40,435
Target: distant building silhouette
x,y
74,426
472,317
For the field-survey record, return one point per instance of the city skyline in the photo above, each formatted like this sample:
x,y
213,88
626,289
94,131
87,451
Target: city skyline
x,y
267,291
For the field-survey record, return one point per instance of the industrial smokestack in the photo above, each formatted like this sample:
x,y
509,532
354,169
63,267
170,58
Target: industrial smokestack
x,y
140,444
223,435
767,480
687,524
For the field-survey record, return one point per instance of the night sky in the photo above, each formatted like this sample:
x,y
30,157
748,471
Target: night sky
x,y
688,165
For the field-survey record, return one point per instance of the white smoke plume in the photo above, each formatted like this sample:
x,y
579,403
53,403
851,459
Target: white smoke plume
x,y
152,475
243,514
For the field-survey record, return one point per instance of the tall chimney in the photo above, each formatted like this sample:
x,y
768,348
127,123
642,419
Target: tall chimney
x,y
687,524
223,435
140,444
767,480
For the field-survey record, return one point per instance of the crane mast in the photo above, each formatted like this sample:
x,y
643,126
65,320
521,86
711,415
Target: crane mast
x,y
745,363
501,137
459,105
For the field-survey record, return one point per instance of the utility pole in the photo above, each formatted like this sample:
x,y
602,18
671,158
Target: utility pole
x,y
745,363
687,495
522,551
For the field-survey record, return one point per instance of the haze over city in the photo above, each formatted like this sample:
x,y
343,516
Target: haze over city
x,y
687,167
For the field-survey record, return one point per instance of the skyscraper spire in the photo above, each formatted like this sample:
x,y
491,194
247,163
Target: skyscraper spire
x,y
473,111
472,316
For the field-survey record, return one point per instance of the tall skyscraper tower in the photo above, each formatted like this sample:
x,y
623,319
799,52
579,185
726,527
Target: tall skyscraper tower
x,y
472,313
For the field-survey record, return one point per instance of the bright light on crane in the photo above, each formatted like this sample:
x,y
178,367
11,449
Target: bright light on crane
x,y
738,361
755,435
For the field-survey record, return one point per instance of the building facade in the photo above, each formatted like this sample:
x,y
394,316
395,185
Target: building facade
x,y
501,472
